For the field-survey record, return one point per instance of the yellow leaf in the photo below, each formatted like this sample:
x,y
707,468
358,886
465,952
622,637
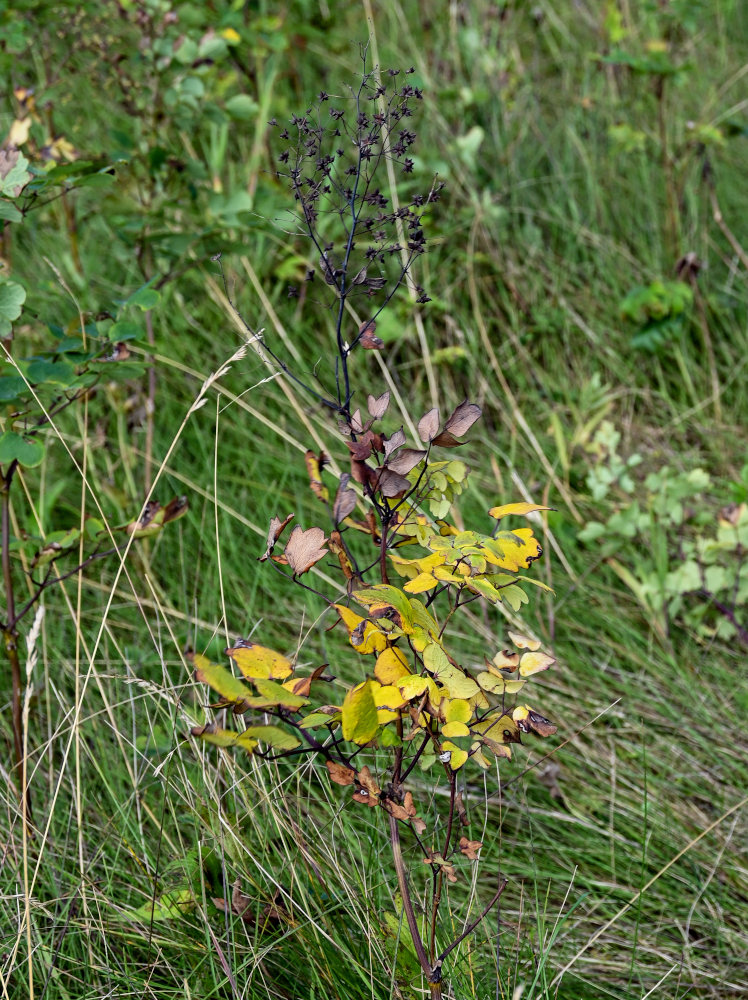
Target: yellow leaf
x,y
452,755
420,584
435,659
498,685
533,663
460,686
389,696
455,729
391,666
365,637
521,509
19,132
414,686
231,36
458,710
258,661
360,721
523,641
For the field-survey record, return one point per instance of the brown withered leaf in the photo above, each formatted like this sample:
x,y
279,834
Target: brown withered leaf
x,y
438,861
367,789
391,484
428,425
368,338
339,773
338,549
540,725
314,465
405,460
418,825
377,407
238,905
345,500
275,530
462,419
361,449
305,548
302,685
330,268
175,508
357,424
363,473
447,440
470,848
397,440
398,811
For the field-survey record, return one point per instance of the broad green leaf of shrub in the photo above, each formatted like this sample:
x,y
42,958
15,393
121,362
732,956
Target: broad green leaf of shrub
x,y
12,298
26,451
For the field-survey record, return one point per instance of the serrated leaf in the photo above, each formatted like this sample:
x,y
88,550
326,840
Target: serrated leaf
x,y
305,548
360,721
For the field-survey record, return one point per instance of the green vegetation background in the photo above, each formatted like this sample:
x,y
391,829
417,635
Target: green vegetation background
x,y
587,148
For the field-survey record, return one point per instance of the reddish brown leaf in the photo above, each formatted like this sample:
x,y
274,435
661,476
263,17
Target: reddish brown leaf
x,y
447,440
239,904
378,407
303,685
428,425
175,508
345,500
368,338
276,529
340,774
470,848
391,484
361,449
405,460
399,812
367,789
304,549
540,725
463,418
363,473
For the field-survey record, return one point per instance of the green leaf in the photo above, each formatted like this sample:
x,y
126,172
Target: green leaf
x,y
276,737
276,694
12,298
11,387
25,451
360,721
126,330
220,679
17,177
212,733
145,298
9,212
55,372
242,107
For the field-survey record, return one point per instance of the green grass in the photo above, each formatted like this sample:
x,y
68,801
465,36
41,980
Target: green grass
x,y
626,865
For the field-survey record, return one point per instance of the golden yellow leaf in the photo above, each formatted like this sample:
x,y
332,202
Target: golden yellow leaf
x,y
391,666
521,509
452,755
533,663
360,721
455,729
259,661
365,637
458,710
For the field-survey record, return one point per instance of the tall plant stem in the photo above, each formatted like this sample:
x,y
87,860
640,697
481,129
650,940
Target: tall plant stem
x,y
415,933
10,638
437,898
